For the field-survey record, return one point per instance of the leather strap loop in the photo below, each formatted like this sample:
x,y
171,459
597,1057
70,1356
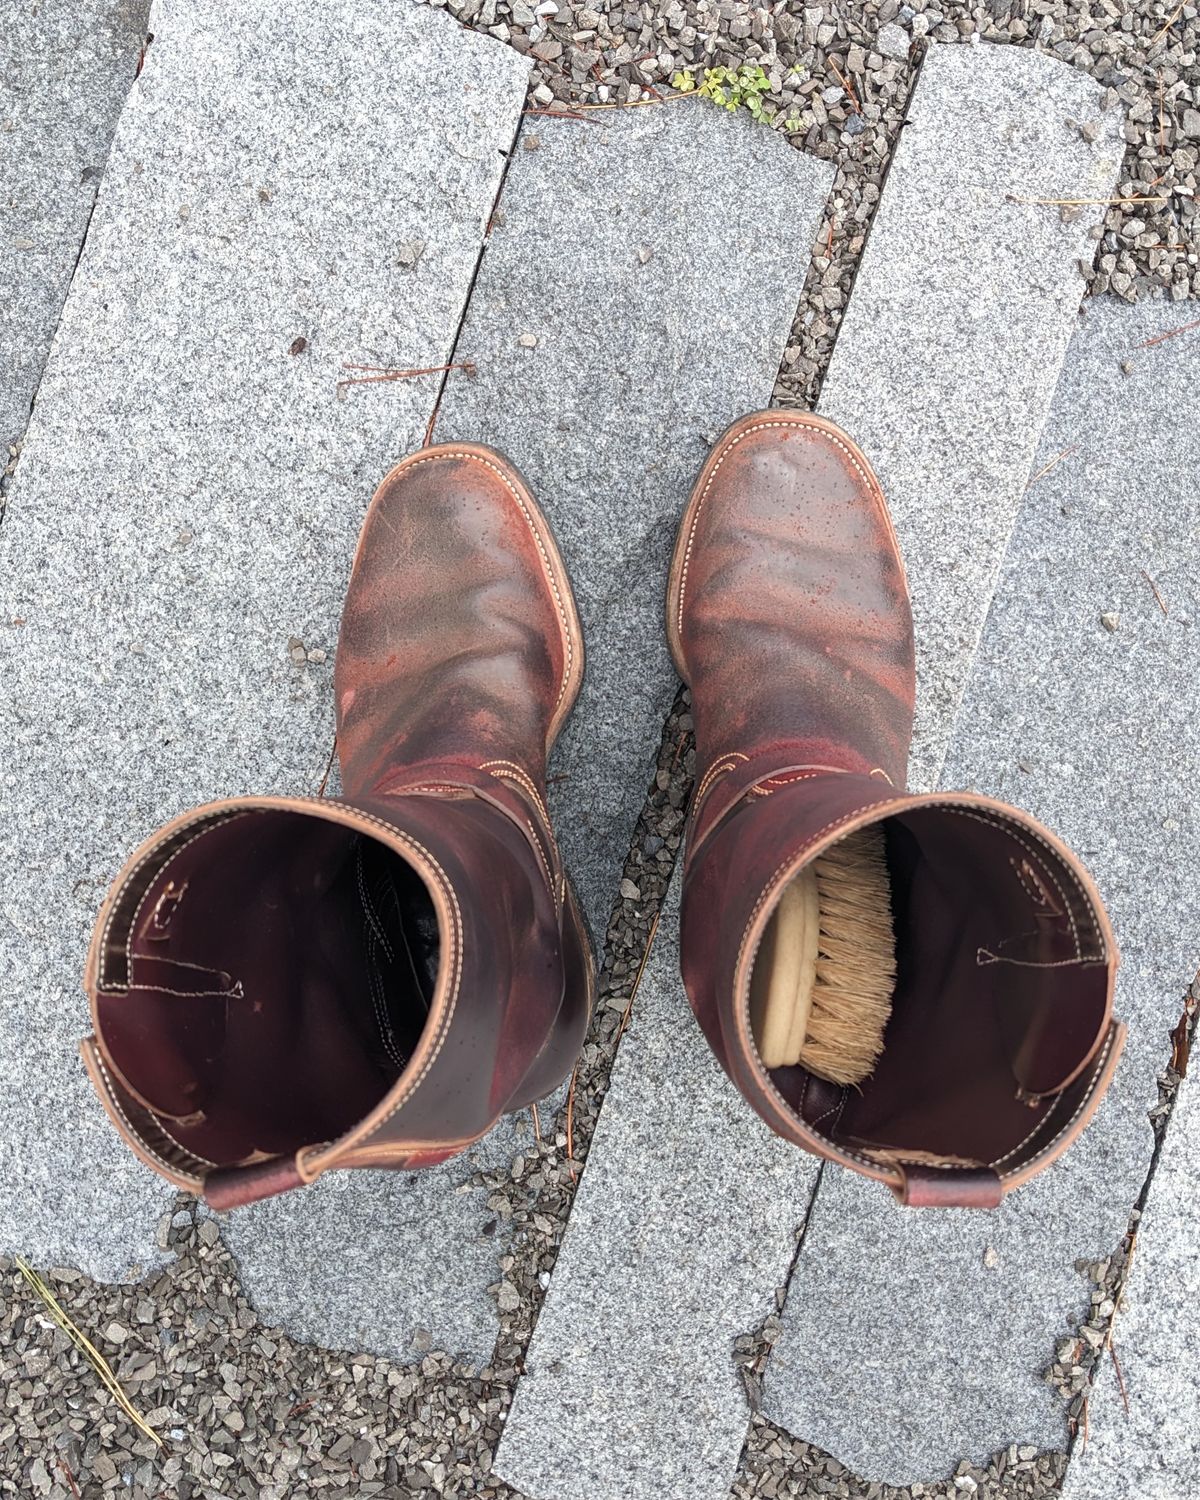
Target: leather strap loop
x,y
231,1187
948,1187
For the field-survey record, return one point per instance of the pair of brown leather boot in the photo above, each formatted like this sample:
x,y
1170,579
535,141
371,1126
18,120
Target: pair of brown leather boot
x,y
280,986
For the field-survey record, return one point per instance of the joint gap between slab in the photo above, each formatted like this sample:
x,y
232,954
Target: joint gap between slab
x,y
511,1344
1183,1038
646,821
918,62
9,472
752,1365
483,246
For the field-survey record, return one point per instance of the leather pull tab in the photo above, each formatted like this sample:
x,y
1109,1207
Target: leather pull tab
x,y
948,1187
232,1187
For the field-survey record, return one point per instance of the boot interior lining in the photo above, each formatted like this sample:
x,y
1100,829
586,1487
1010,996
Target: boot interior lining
x,y
276,974
1000,997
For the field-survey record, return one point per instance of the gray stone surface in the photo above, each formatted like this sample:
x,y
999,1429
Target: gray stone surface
x,y
367,1260
1153,1450
188,500
948,354
656,259
1094,732
65,67
682,1227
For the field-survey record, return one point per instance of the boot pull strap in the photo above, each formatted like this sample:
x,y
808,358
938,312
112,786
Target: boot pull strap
x,y
232,1187
922,1186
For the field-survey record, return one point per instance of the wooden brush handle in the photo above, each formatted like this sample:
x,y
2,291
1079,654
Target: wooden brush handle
x,y
785,973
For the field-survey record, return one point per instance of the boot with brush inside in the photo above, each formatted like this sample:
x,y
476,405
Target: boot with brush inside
x,y
280,986
917,987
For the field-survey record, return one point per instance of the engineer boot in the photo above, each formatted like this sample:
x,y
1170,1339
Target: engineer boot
x,y
788,616
283,985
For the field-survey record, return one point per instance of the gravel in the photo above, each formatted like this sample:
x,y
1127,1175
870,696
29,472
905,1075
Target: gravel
x,y
606,53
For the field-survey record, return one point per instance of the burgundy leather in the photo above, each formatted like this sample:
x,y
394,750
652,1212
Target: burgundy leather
x,y
950,1187
232,1187
788,616
280,986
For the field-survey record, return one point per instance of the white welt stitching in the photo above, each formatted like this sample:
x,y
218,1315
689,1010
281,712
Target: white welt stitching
x,y
1058,1135
204,819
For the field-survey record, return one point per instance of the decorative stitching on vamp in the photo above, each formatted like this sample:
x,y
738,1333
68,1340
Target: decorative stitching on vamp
x,y
513,772
719,767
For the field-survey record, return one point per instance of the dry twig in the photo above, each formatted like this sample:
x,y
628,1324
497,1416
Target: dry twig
x,y
1087,202
637,978
328,768
1119,1372
1162,120
1171,333
88,1350
1154,590
1170,21
556,114
571,1124
1053,464
382,373
1181,1039
847,87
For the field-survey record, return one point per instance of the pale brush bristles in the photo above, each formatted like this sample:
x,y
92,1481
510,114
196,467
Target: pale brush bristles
x,y
856,961
821,993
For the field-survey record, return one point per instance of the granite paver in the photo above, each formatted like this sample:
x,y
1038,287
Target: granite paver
x,y
65,67
1093,730
184,515
1153,1449
960,315
682,1227
635,298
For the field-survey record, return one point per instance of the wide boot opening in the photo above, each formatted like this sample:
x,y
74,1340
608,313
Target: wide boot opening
x,y
999,1002
264,980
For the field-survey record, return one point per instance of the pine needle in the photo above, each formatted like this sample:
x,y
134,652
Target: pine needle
x,y
1088,202
88,1350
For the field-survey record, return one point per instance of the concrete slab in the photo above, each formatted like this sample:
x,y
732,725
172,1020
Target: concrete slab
x,y
1094,731
188,502
634,300
682,1227
65,68
1153,1450
950,349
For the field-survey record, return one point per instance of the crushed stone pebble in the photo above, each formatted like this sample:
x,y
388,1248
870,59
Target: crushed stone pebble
x,y
1143,52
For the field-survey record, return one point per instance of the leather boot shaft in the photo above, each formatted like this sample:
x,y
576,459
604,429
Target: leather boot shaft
x,y
788,616
255,1016
1001,1041
281,986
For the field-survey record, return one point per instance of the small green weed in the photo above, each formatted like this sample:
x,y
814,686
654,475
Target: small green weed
x,y
744,87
